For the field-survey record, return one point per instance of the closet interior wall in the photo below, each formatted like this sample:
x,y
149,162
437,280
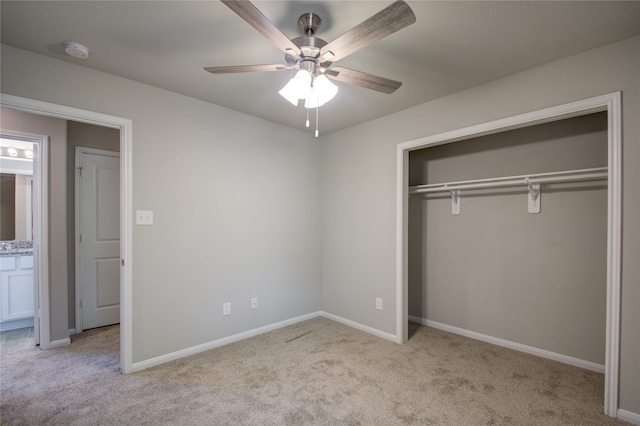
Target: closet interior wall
x,y
495,269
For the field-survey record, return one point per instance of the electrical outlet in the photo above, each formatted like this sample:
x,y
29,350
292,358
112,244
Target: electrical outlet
x,y
254,303
378,303
226,308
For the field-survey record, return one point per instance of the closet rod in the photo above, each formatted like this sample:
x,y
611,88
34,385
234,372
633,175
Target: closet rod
x,y
597,173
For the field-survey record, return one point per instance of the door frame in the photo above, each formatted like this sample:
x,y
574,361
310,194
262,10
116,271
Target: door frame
x,y
77,205
124,125
40,214
611,103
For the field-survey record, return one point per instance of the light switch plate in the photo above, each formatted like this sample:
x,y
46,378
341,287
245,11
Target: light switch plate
x,y
144,217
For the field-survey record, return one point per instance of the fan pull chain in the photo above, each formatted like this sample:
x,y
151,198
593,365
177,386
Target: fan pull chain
x,y
317,122
307,123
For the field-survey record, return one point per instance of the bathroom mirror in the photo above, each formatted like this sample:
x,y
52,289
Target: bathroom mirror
x,y
16,179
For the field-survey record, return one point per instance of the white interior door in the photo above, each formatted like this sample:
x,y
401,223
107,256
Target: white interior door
x,y
98,237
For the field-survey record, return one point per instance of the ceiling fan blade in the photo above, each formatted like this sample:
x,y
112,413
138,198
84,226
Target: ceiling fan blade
x,y
245,68
386,22
363,79
247,11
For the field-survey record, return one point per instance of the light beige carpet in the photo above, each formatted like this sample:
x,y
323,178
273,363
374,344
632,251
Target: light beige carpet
x,y
317,372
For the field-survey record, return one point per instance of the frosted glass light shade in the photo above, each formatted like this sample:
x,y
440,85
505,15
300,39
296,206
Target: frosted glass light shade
x,y
297,88
321,92
325,89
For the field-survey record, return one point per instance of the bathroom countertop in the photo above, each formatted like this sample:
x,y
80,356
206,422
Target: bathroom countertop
x,y
16,248
16,252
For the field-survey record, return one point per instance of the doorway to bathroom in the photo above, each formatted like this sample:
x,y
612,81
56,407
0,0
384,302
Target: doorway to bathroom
x,y
124,127
23,234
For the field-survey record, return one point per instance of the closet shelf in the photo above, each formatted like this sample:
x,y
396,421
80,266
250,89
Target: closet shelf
x,y
532,181
598,173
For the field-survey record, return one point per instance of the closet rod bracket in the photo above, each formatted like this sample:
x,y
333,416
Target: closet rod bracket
x,y
534,197
455,202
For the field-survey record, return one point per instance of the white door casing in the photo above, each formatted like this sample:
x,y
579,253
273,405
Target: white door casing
x,y
97,238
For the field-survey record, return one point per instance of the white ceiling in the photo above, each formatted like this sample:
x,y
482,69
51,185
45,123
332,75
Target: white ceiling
x,y
452,46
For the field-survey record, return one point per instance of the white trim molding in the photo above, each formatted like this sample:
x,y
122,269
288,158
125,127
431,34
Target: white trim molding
x,y
611,103
361,327
59,343
576,362
126,212
628,416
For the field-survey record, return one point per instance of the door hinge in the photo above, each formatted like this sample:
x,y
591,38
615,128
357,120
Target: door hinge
x,y
79,171
122,262
80,303
80,238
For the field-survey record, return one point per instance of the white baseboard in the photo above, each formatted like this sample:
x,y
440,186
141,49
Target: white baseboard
x,y
628,416
59,343
143,365
576,362
361,327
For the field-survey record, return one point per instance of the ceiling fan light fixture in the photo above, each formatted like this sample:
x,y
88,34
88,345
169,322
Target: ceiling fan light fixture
x,y
322,92
289,95
325,89
297,88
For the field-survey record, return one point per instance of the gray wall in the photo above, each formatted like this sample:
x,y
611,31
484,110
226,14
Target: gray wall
x,y
236,210
58,273
359,194
535,279
88,136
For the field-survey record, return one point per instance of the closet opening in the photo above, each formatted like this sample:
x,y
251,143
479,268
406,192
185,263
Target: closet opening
x,y
509,232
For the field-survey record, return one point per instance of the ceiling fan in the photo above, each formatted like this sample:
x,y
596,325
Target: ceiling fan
x,y
314,57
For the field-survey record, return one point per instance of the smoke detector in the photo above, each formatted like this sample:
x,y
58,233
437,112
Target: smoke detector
x,y
76,50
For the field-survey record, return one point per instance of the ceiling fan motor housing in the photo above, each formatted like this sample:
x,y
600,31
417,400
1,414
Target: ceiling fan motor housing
x,y
310,50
